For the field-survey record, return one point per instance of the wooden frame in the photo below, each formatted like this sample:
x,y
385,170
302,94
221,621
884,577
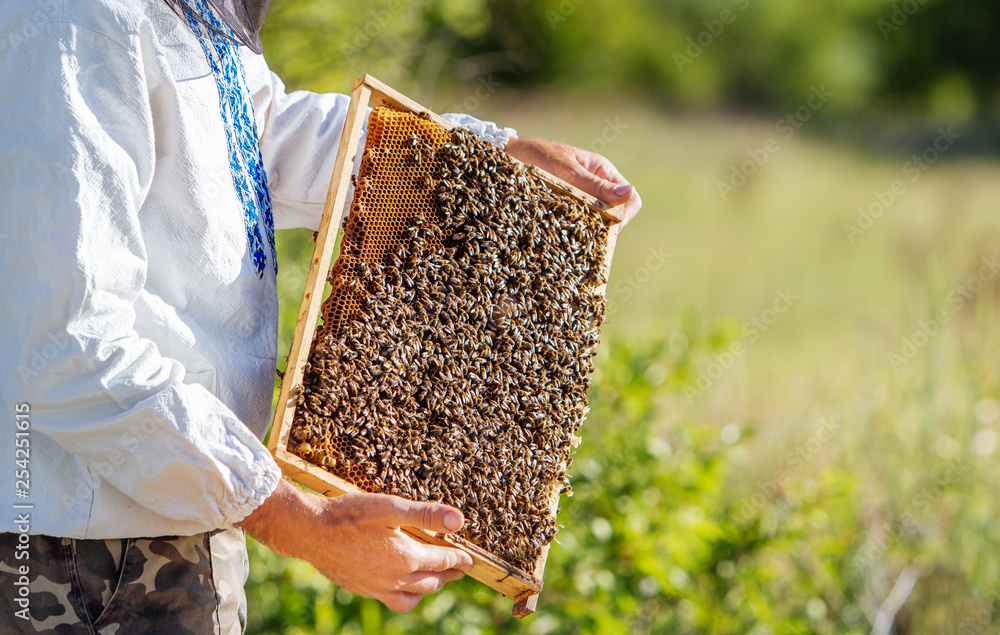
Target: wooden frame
x,y
514,583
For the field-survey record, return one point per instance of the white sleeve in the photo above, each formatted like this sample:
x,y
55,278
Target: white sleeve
x,y
487,130
76,162
299,139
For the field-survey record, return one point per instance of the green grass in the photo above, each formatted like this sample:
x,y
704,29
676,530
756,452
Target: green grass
x,y
799,560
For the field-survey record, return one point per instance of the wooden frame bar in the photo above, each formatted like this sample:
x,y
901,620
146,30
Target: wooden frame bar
x,y
521,586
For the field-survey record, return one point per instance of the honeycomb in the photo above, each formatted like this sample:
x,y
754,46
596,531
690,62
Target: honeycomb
x,y
392,190
453,360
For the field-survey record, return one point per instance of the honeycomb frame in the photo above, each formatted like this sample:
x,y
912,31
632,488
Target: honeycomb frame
x,y
522,586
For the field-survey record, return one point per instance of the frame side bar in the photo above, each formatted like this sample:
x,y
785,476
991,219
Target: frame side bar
x,y
312,296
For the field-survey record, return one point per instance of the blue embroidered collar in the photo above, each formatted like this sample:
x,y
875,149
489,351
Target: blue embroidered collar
x,y
245,160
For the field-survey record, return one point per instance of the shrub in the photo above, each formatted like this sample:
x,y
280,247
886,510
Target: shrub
x,y
650,542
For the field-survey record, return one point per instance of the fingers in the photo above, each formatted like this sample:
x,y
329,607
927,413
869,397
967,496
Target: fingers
x,y
401,601
597,176
631,207
599,187
415,586
399,512
601,166
618,191
438,559
424,582
589,171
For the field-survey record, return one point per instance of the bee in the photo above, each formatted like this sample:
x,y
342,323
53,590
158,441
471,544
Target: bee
x,y
423,339
304,450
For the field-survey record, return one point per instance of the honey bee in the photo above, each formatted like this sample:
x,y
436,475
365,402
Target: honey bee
x,y
453,366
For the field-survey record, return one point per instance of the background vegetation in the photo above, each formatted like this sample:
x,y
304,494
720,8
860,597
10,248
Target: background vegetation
x,y
918,55
847,444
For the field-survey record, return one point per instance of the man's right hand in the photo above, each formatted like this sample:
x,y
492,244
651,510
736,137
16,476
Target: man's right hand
x,y
356,541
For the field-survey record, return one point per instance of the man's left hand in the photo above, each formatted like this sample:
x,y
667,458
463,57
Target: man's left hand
x,y
586,170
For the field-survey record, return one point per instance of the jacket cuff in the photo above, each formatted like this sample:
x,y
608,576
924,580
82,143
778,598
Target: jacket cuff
x,y
260,482
486,130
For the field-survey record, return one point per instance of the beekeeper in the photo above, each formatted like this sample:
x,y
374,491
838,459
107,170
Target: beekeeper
x,y
146,159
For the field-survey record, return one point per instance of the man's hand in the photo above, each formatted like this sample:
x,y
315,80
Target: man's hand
x,y
356,541
588,171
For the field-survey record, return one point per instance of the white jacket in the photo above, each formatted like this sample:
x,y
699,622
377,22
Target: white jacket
x,y
133,322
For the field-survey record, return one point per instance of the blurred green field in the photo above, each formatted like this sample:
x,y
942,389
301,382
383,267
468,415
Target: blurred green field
x,y
710,497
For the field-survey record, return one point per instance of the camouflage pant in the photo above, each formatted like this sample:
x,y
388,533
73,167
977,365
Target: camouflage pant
x,y
169,586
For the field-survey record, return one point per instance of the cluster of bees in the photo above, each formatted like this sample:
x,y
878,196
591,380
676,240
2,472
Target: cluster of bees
x,y
453,362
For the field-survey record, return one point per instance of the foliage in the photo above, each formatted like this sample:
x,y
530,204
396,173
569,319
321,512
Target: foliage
x,y
649,544
925,54
682,553
658,537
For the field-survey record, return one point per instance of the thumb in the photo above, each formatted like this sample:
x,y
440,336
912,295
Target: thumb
x,y
429,516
